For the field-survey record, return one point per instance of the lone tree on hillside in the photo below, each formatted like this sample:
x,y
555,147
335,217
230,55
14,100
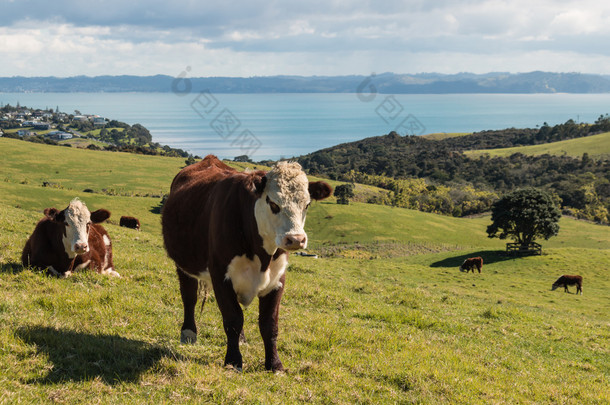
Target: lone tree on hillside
x,y
524,215
343,193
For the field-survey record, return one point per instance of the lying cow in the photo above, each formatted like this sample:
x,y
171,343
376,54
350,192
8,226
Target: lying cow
x,y
130,222
565,280
70,240
233,230
471,264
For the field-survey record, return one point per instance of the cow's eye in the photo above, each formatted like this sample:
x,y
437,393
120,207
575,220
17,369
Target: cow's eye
x,y
274,207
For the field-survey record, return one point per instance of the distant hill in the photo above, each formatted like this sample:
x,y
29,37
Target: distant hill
x,y
387,83
456,164
596,146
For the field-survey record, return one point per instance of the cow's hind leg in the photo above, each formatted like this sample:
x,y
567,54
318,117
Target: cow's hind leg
x,y
269,309
188,291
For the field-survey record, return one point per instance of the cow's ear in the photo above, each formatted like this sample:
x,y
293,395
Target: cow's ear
x,y
60,216
259,184
51,212
100,216
319,190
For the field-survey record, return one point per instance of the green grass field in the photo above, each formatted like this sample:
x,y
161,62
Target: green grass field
x,y
437,136
383,316
594,145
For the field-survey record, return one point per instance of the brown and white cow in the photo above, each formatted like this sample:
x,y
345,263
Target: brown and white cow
x,y
233,230
566,280
70,240
130,222
472,263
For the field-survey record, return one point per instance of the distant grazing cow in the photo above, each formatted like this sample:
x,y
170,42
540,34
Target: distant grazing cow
x,y
130,222
565,280
233,230
70,240
471,263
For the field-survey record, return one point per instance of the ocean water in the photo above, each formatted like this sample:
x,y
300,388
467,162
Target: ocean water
x,y
271,126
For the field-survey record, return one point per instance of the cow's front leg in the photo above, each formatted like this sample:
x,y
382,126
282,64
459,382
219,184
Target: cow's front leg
x,y
232,320
188,291
269,310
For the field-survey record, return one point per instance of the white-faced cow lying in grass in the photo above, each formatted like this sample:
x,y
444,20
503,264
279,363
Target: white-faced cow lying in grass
x,y
565,280
233,230
70,240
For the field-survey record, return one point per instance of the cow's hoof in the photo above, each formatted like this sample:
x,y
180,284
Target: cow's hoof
x,y
111,272
276,367
187,336
233,368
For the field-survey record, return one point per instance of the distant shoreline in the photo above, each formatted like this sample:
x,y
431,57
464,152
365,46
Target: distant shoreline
x,y
385,83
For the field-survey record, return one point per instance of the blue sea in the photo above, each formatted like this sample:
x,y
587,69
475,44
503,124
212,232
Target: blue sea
x,y
271,126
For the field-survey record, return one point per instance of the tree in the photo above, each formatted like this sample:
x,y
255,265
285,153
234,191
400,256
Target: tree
x,y
524,215
242,158
343,193
191,160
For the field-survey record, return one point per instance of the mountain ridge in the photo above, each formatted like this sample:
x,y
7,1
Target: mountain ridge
x,y
386,83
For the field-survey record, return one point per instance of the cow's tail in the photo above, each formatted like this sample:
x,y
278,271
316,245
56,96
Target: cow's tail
x,y
25,255
203,290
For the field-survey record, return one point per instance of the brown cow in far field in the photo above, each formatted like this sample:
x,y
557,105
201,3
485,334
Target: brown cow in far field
x,y
232,231
70,240
471,263
565,280
130,222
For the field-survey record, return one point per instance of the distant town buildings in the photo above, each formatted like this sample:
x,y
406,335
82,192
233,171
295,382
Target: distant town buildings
x,y
59,135
45,122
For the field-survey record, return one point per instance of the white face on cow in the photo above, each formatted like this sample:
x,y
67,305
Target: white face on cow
x,y
280,211
77,220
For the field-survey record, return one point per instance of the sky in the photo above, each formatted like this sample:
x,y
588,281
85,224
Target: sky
x,y
316,37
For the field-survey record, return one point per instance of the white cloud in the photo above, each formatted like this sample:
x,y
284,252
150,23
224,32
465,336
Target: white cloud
x,y
238,38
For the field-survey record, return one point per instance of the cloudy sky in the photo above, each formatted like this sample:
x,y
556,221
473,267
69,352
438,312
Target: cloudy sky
x,y
314,37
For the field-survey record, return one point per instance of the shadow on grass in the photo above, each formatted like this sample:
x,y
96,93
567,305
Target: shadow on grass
x,y
156,209
159,207
489,257
78,356
11,268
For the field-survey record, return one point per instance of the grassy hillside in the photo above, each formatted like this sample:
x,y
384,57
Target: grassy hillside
x,y
444,135
384,316
594,145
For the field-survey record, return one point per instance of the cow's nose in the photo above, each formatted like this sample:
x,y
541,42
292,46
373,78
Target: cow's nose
x,y
294,242
80,248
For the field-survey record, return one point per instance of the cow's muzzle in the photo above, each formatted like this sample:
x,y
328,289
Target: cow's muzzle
x,y
80,248
294,242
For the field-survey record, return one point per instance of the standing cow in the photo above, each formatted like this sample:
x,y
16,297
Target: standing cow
x,y
471,264
233,230
130,222
566,280
70,240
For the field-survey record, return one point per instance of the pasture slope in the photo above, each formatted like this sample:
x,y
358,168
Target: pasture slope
x,y
595,145
384,316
